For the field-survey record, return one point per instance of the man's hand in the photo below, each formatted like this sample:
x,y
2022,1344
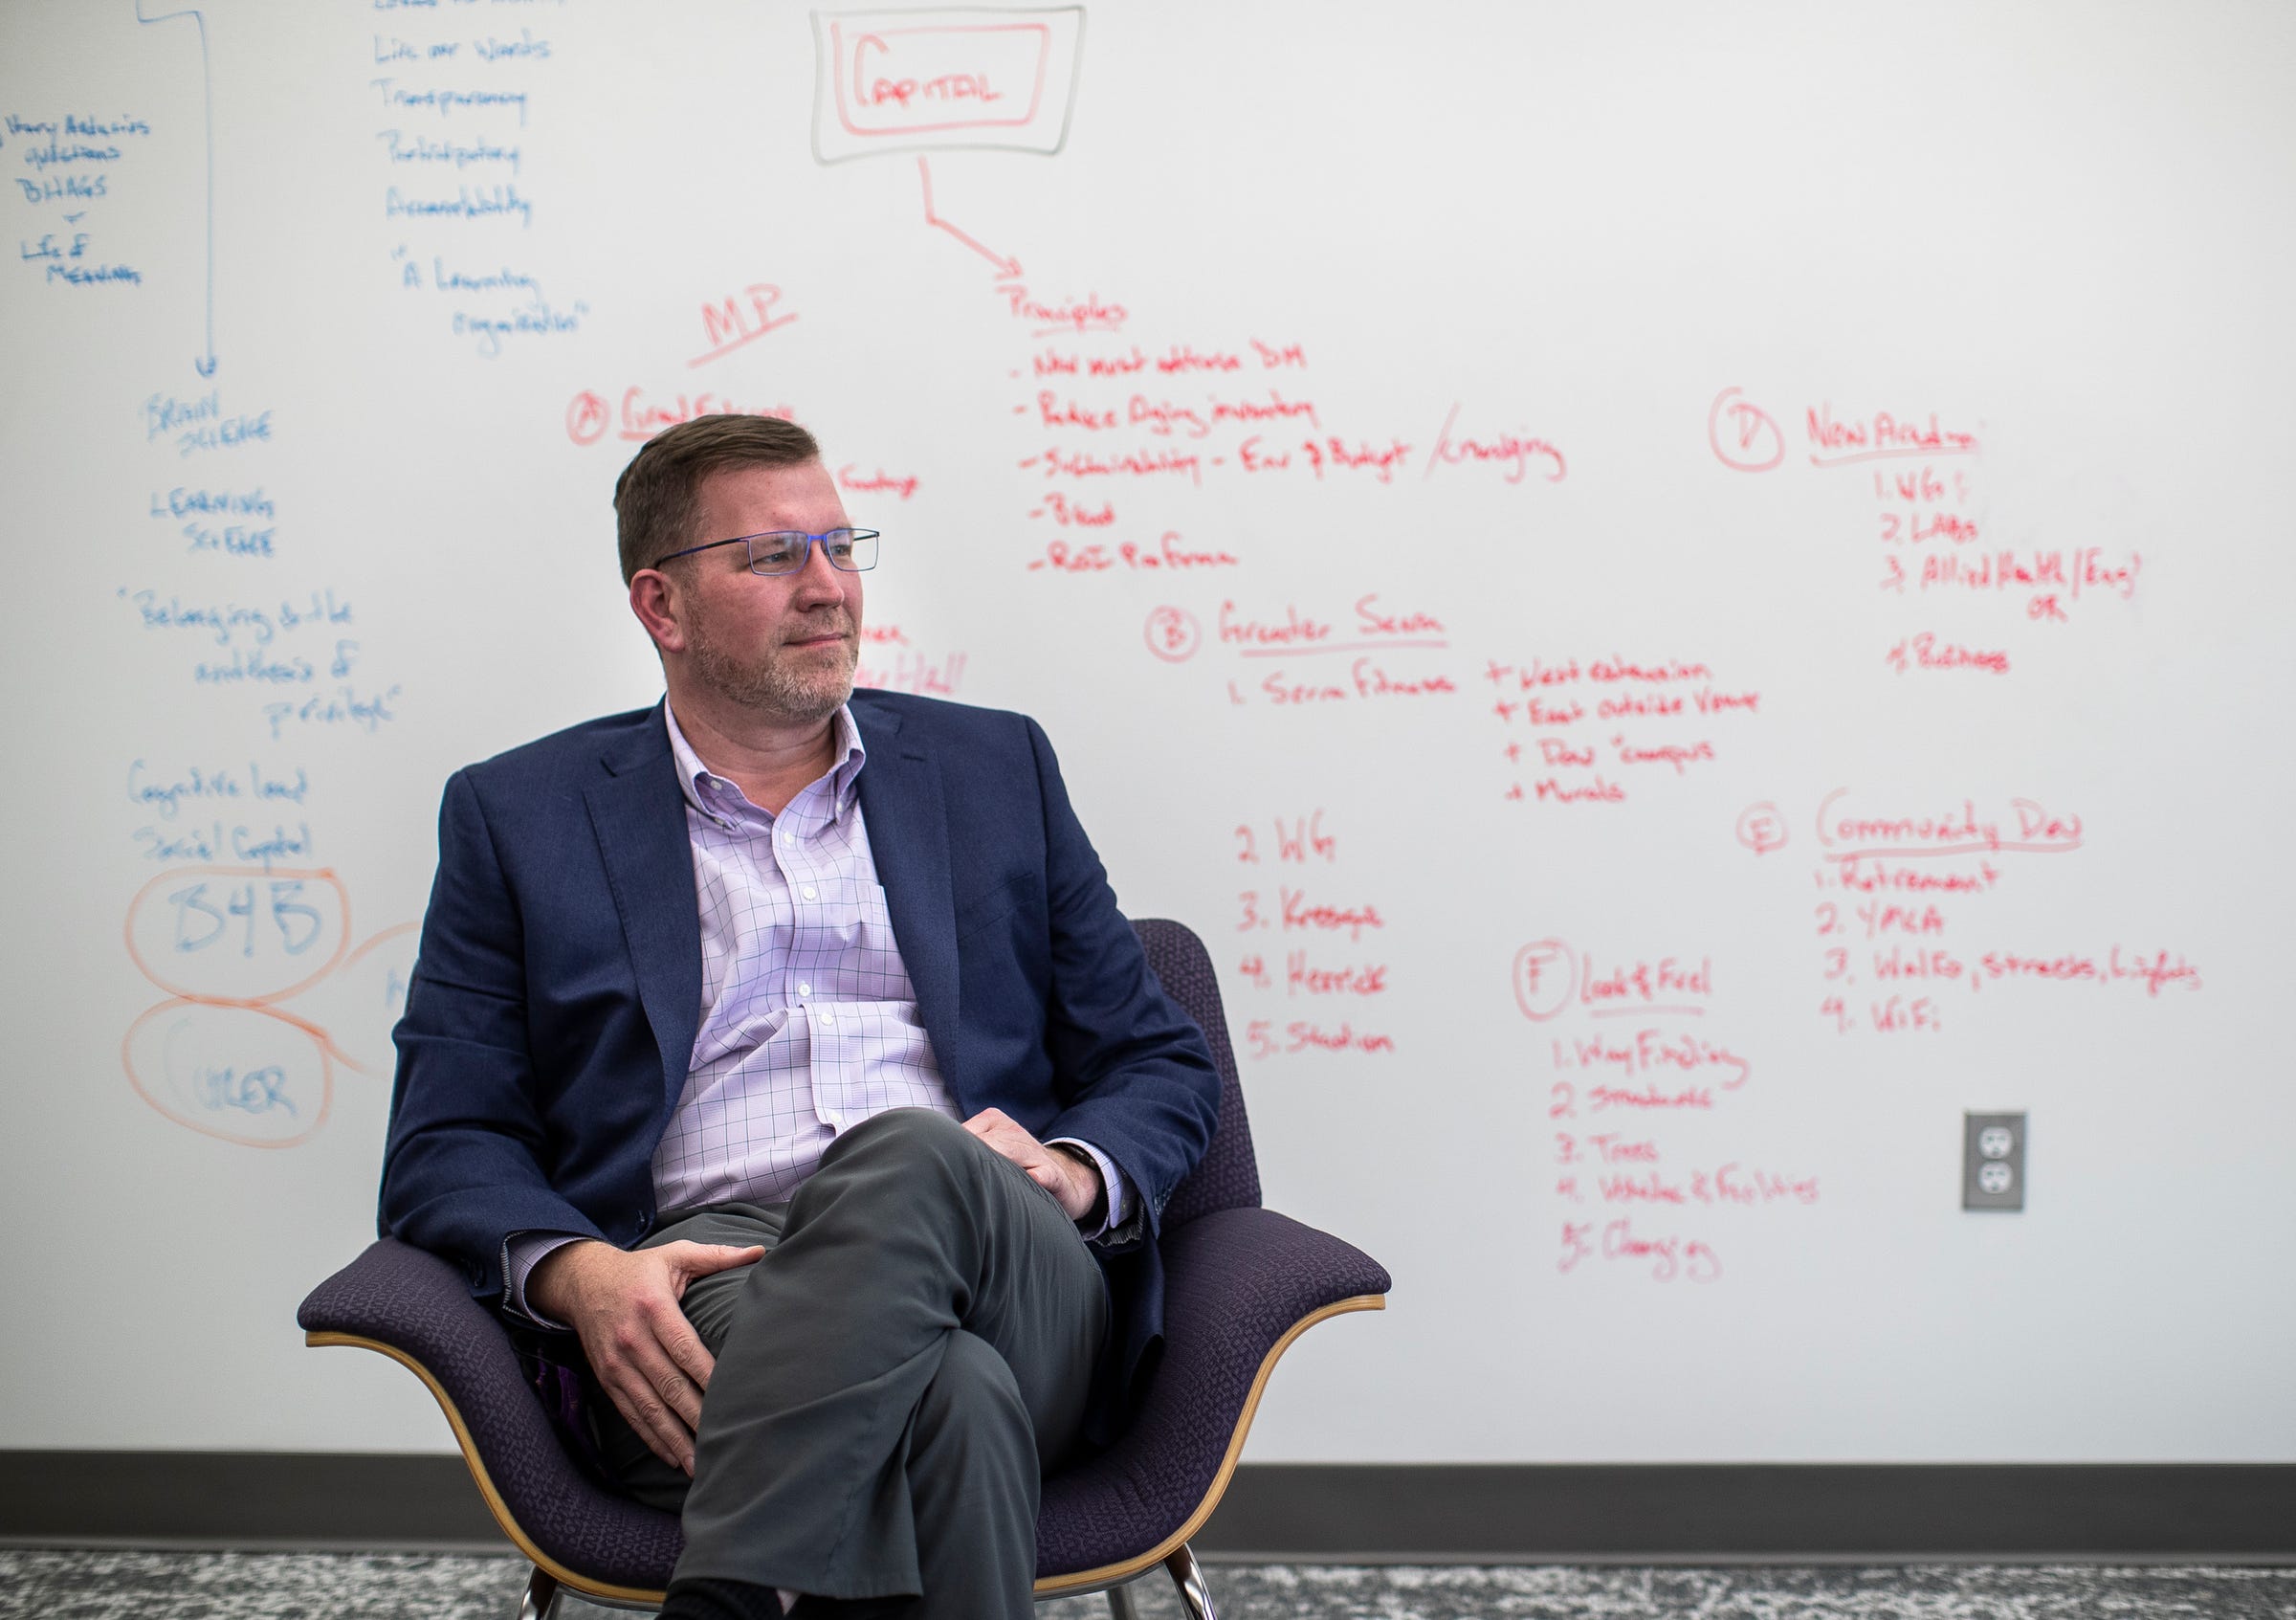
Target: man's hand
x,y
644,1351
1073,1180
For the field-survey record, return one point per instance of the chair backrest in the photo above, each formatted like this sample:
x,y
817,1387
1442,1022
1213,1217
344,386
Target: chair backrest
x,y
1228,1175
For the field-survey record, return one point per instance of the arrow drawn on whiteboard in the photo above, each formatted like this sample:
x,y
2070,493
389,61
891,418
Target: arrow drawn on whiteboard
x,y
1007,268
205,364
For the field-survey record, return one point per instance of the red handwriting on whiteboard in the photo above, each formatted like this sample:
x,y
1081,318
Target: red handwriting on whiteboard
x,y
851,477
915,80
1172,633
1563,1099
2051,581
1847,830
1681,985
588,417
1761,829
1045,315
1066,512
1652,1051
739,319
1834,441
1330,453
1604,1147
1298,838
913,672
1292,630
1303,977
1741,434
1262,1038
1901,873
1926,652
1169,554
1299,912
1518,455
1057,463
1592,771
641,416
1663,1259
1373,627
1730,1184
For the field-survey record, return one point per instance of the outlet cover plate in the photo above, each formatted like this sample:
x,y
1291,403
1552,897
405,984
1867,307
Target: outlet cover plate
x,y
1992,1161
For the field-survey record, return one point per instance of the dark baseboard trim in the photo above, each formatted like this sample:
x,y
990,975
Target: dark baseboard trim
x,y
2198,1512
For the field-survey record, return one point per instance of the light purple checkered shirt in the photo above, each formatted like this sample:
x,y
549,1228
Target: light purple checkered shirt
x,y
808,1022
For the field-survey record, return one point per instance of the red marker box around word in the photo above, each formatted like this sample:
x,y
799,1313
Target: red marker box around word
x,y
918,81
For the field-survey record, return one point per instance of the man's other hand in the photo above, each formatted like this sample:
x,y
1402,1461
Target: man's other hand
x,y
625,1307
1074,1180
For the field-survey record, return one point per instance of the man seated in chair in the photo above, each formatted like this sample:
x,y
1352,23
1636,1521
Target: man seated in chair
x,y
783,1043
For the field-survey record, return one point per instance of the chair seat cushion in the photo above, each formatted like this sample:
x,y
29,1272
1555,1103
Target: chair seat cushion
x,y
1235,1282
418,1303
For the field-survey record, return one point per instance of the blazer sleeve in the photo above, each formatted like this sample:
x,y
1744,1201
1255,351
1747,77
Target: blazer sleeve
x,y
1135,1068
461,1163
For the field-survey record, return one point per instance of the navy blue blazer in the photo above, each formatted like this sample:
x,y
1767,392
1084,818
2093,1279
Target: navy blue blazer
x,y
551,1014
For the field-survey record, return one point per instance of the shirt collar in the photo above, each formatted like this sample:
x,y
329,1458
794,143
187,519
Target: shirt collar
x,y
701,786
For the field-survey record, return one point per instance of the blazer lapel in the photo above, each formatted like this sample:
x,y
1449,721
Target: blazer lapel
x,y
639,816
908,820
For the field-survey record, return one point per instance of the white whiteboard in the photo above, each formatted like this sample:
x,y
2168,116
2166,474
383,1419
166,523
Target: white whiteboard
x,y
1452,359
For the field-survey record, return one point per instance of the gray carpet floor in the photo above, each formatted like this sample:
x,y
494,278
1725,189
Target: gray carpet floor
x,y
217,1586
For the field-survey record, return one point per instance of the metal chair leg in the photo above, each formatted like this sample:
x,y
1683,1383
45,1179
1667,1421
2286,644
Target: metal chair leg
x,y
1120,1605
1193,1595
540,1601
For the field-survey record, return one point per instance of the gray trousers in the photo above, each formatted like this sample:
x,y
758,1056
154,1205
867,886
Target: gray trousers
x,y
893,1377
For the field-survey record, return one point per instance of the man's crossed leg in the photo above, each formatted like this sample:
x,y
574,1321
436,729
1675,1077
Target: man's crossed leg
x,y
891,1380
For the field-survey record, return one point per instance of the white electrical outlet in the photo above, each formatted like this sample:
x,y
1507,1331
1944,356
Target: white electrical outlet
x,y
1992,1161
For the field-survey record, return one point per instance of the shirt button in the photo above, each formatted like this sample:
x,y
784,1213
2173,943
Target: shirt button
x,y
804,989
828,1017
809,895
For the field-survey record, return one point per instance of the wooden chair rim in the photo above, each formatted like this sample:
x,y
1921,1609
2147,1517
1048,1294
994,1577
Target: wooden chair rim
x,y
1049,1586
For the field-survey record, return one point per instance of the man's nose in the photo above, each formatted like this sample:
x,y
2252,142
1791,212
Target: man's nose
x,y
818,579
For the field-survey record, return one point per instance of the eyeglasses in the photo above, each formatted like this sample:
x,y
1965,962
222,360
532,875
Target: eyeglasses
x,y
785,551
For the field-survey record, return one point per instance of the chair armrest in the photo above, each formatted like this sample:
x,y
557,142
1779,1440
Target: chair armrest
x,y
1238,1284
415,1307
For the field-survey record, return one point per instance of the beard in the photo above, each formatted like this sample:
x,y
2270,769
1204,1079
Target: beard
x,y
791,686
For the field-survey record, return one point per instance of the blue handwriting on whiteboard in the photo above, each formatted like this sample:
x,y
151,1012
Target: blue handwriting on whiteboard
x,y
204,845
202,919
170,793
369,712
214,502
229,623
488,203
462,154
200,423
540,322
448,102
212,842
258,1091
65,188
525,45
231,540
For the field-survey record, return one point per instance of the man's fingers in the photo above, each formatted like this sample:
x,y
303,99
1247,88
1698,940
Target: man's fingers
x,y
640,1402
700,1259
692,1357
662,1347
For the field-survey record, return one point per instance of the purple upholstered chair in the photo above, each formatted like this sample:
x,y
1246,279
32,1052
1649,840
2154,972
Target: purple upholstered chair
x,y
1241,1283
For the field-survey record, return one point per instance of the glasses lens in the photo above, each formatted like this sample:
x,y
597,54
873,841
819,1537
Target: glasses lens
x,y
785,553
851,550
777,553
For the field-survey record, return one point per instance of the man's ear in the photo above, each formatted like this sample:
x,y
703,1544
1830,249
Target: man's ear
x,y
653,597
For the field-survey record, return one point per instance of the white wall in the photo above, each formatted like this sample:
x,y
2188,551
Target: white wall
x,y
2057,237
